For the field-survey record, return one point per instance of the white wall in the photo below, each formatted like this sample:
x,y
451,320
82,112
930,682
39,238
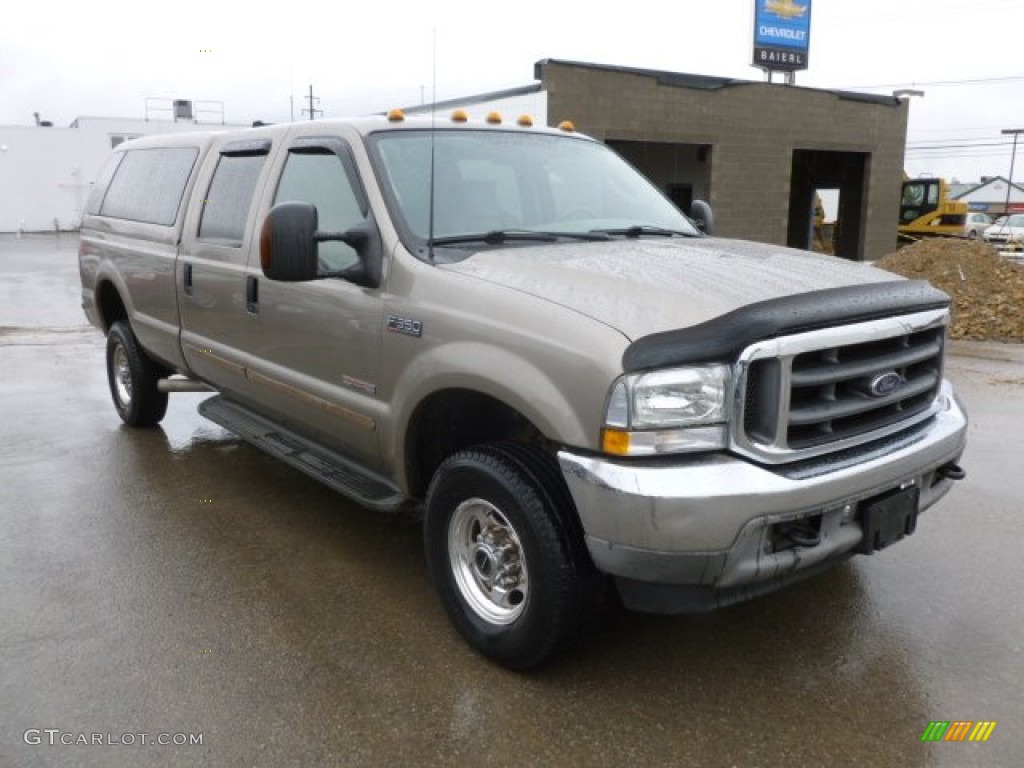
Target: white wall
x,y
46,174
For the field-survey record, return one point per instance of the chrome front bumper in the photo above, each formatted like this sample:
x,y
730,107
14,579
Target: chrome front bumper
x,y
706,522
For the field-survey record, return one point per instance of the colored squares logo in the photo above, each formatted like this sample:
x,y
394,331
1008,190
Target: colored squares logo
x,y
958,730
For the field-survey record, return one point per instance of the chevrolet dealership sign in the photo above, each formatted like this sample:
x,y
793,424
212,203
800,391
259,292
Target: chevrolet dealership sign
x,y
782,34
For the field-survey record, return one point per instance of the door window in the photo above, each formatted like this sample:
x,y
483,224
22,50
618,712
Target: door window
x,y
319,177
227,203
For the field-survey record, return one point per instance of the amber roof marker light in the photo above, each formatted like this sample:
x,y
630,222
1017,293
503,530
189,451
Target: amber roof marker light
x,y
396,116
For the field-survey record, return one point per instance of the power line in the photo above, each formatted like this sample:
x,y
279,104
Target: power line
x,y
941,83
957,140
965,145
988,160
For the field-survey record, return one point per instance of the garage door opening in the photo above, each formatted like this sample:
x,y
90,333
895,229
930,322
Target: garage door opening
x,y
825,216
839,177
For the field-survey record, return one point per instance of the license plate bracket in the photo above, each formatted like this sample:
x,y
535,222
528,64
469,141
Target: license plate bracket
x,y
887,518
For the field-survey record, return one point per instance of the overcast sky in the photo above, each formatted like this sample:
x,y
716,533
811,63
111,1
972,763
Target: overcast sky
x,y
105,57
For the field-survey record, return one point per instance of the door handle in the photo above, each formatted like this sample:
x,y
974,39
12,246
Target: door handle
x,y
187,279
252,294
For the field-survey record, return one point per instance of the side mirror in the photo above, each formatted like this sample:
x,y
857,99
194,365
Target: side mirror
x,y
365,239
287,243
702,216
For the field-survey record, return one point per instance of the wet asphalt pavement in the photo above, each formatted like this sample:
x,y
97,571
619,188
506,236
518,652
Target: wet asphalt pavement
x,y
175,581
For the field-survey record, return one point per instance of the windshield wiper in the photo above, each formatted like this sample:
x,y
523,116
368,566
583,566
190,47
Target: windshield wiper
x,y
592,235
499,236
645,229
495,237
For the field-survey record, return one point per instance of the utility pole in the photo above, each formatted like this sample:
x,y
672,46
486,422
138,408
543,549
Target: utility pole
x,y
313,111
1015,132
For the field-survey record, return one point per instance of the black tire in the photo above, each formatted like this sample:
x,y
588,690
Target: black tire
x,y
132,377
502,512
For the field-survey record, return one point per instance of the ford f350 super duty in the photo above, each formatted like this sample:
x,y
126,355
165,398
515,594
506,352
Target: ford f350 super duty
x,y
508,330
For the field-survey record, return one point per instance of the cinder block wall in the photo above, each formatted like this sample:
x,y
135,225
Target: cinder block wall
x,y
753,129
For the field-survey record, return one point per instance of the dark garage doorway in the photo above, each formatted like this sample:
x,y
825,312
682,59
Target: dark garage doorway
x,y
843,171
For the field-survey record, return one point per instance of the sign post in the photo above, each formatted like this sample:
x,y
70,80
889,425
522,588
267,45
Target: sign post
x,y
782,36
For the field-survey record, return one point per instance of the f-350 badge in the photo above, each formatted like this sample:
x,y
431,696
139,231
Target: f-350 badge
x,y
405,326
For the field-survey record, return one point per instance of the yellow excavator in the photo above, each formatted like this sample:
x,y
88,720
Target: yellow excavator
x,y
927,211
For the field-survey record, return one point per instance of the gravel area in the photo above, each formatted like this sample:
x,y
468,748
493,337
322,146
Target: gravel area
x,y
987,289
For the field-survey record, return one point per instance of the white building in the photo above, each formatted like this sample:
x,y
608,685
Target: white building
x,y
991,196
47,173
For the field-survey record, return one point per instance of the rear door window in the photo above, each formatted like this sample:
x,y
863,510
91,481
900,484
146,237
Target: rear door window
x,y
227,202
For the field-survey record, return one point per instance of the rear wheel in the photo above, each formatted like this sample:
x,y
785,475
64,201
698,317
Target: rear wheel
x,y
133,379
507,556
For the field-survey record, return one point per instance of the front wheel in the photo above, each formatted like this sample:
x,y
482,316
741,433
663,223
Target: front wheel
x,y
133,379
506,554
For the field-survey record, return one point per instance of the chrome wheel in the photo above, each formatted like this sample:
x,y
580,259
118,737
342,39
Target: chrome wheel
x,y
488,562
122,376
505,554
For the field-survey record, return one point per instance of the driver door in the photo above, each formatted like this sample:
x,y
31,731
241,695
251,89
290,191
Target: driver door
x,y
316,345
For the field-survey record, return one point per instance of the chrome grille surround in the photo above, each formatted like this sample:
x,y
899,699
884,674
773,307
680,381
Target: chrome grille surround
x,y
810,394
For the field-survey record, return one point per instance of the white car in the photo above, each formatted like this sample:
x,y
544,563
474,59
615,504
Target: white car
x,y
976,224
1007,231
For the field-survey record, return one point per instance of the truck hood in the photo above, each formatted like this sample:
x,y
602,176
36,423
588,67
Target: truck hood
x,y
640,287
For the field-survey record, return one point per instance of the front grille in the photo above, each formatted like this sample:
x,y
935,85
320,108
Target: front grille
x,y
823,391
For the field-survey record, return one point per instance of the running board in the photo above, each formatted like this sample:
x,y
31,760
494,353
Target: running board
x,y
330,468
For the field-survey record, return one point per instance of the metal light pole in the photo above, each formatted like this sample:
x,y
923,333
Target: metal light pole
x,y
1015,132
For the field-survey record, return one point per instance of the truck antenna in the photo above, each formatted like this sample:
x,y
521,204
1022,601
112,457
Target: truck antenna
x,y
433,116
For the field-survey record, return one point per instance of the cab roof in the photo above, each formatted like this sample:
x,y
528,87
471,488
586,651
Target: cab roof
x,y
457,120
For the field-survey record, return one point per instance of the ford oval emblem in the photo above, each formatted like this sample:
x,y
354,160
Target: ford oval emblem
x,y
886,383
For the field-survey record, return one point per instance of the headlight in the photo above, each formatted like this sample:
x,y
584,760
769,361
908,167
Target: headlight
x,y
668,411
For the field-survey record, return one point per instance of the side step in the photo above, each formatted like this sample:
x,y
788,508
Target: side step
x,y
318,462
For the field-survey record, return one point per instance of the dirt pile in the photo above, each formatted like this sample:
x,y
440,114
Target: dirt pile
x,y
987,289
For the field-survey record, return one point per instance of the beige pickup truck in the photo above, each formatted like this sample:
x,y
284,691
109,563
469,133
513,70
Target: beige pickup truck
x,y
508,330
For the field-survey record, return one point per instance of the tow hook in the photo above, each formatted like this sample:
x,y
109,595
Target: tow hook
x,y
800,534
952,471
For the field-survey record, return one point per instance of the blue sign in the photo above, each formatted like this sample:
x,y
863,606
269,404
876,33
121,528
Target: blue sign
x,y
782,34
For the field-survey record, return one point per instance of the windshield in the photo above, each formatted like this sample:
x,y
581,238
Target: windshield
x,y
1016,220
496,181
